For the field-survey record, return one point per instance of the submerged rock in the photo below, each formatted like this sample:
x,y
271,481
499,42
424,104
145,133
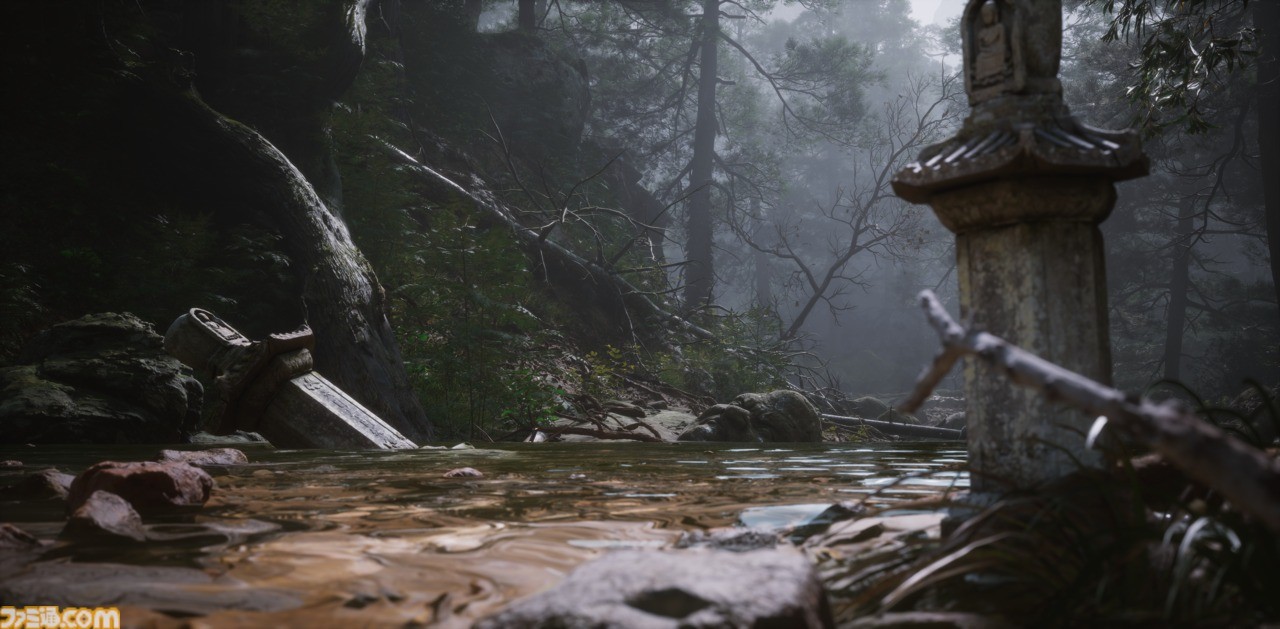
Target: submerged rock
x,y
688,588
464,472
105,515
780,416
148,486
735,539
42,485
103,378
14,538
214,456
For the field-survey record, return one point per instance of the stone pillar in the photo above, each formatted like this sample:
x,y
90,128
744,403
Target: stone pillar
x,y
1023,185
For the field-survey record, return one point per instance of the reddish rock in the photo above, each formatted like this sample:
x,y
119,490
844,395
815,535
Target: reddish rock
x,y
147,486
213,456
14,538
464,472
42,485
105,514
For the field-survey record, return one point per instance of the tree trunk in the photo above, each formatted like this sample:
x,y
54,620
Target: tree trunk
x,y
346,306
528,16
699,270
1179,287
763,277
1266,17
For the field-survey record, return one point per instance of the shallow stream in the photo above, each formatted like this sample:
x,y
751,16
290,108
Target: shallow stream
x,y
326,538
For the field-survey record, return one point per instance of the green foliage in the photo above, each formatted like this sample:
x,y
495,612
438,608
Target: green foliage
x,y
19,307
744,357
1190,50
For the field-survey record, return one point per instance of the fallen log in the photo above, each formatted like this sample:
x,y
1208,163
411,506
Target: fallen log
x,y
544,250
897,430
1205,453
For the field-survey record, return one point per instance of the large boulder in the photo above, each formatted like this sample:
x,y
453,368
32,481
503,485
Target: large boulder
x,y
148,486
780,416
687,588
103,378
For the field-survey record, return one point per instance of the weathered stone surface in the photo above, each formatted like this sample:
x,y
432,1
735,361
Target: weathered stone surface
x,y
269,387
14,538
464,472
1023,185
867,407
104,514
734,539
42,485
954,421
239,436
214,456
99,379
148,486
687,588
780,416
626,409
931,620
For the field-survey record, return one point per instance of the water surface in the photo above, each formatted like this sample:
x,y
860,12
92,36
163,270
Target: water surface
x,y
380,537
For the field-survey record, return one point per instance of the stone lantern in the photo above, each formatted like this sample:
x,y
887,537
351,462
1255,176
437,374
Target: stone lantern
x,y
1023,186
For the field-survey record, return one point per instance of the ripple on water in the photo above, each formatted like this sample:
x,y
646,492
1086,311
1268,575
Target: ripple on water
x,y
381,538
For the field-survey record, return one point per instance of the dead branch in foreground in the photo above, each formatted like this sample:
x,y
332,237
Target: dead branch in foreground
x,y
1205,453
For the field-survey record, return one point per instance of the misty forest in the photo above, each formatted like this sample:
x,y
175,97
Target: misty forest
x,y
640,313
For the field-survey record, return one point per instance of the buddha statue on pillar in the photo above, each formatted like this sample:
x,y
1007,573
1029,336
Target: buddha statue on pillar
x,y
991,63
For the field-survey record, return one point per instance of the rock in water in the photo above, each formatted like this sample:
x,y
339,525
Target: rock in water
x,y
780,416
148,486
464,472
105,514
42,485
689,588
14,538
103,378
213,456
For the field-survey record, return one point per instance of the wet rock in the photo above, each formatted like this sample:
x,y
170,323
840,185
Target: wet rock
x,y
734,539
103,378
239,436
10,463
464,472
626,409
43,485
687,588
149,486
780,416
215,456
931,620
104,514
867,407
14,538
954,421
722,422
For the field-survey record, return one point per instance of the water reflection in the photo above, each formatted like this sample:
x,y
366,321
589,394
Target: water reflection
x,y
382,537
